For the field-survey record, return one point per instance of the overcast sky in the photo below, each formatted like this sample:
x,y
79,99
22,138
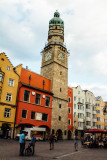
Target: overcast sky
x,y
24,26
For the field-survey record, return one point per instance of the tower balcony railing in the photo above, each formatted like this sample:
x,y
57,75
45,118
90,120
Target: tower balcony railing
x,y
53,42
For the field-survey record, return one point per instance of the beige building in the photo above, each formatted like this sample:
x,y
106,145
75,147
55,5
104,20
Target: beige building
x,y
55,67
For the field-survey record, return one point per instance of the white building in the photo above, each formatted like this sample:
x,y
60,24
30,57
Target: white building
x,y
90,110
79,109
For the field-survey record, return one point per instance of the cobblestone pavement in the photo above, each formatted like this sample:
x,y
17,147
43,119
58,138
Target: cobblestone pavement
x,y
63,150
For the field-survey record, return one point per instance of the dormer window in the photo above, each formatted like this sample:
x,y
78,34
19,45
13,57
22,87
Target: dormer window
x,y
8,68
1,77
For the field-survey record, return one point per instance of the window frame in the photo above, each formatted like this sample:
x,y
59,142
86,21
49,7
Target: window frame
x,y
11,82
46,101
8,97
7,113
26,113
39,99
24,96
34,115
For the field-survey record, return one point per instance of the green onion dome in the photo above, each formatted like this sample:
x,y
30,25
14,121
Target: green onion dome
x,y
56,20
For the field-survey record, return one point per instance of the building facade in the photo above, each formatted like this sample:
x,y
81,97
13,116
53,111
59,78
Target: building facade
x,y
78,110
34,103
99,112
55,67
105,115
8,94
90,110
70,113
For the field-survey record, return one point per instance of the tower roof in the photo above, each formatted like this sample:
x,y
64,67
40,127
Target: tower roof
x,y
56,20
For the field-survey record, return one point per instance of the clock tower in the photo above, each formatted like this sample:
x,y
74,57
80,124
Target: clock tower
x,y
55,67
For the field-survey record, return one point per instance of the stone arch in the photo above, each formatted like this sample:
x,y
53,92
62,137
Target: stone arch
x,y
59,134
69,135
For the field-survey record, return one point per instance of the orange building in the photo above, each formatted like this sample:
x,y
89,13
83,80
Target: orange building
x,y
70,112
34,102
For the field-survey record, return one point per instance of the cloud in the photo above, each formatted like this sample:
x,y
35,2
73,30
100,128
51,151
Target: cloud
x,y
24,32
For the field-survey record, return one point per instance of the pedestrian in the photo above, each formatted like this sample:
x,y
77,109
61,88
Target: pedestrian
x,y
76,143
51,141
33,140
22,142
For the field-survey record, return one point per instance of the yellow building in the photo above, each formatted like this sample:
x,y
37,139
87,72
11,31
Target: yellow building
x,y
99,109
105,116
8,94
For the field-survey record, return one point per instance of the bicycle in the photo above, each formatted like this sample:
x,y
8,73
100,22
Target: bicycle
x,y
28,151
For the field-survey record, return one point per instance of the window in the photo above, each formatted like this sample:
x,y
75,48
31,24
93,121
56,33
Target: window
x,y
7,112
37,99
75,114
98,111
60,72
98,118
69,100
88,123
74,98
80,124
8,68
69,110
26,95
74,123
94,124
88,114
87,106
1,78
98,126
78,92
60,89
47,101
80,115
44,117
69,121
59,105
9,97
32,115
24,113
11,82
82,100
74,106
94,115
59,118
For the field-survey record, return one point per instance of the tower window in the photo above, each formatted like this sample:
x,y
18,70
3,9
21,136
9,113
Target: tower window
x,y
59,105
60,89
59,118
60,72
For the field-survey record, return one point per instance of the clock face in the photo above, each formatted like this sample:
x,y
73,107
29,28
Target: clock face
x,y
48,56
61,56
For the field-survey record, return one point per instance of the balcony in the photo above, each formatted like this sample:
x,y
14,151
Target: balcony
x,y
94,112
88,118
88,110
80,128
88,127
80,120
94,119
